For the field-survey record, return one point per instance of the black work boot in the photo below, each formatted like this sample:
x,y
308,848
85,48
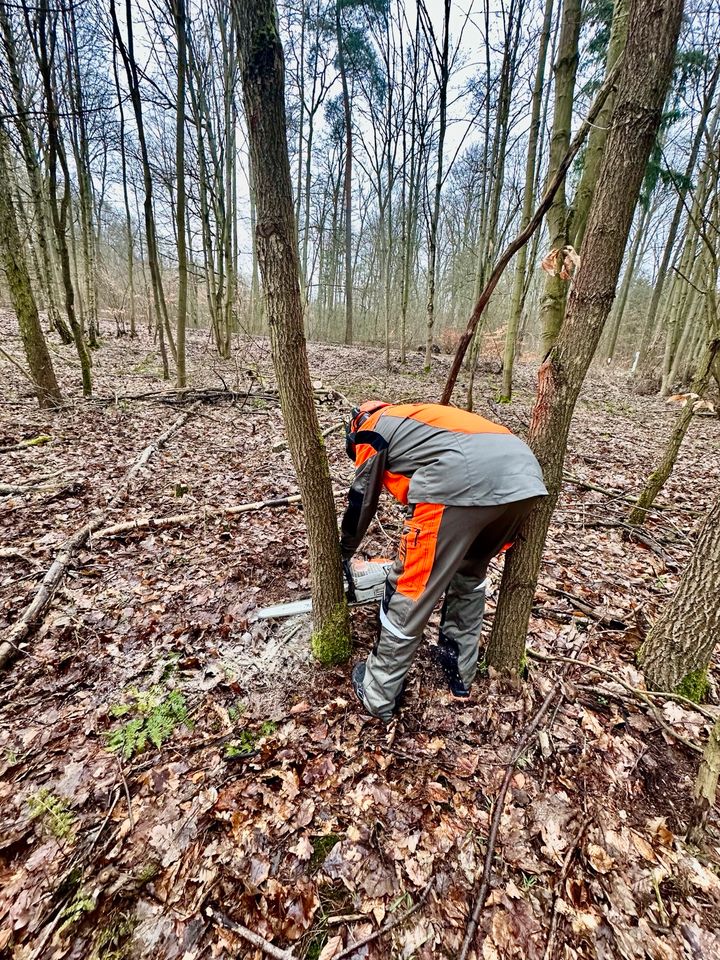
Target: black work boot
x,y
447,656
357,677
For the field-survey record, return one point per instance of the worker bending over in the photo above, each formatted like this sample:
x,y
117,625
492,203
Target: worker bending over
x,y
468,484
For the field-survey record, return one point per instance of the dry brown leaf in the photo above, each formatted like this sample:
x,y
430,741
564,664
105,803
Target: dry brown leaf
x,y
643,847
331,949
600,859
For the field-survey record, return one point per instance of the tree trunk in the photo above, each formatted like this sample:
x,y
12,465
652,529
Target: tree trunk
x,y
518,298
598,135
552,306
682,190
657,479
678,648
128,56
34,177
443,75
179,15
23,301
627,280
705,787
348,176
262,71
644,80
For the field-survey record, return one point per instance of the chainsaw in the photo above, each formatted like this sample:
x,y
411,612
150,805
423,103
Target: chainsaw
x,y
364,583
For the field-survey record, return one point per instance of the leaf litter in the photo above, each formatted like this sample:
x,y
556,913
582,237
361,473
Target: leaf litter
x,y
260,791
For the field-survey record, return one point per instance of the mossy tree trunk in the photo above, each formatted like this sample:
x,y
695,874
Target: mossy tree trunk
x,y
678,648
262,71
657,479
642,87
18,279
552,305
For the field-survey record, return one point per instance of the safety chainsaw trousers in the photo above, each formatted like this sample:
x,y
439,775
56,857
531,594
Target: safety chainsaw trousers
x,y
443,549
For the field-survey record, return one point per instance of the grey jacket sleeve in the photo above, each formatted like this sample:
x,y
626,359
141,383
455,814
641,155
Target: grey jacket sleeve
x,y
362,502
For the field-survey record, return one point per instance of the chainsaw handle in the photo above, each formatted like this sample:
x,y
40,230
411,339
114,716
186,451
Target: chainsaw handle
x,y
350,592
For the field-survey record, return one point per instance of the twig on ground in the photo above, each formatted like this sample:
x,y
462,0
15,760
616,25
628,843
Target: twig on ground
x,y
222,920
550,946
611,622
30,442
620,495
193,516
643,695
495,824
21,629
353,948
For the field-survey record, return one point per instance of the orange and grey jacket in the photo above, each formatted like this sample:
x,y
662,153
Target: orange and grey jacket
x,y
429,453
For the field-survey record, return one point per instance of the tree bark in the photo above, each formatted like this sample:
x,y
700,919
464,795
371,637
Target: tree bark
x,y
657,479
23,301
262,72
347,188
179,15
644,80
522,238
443,77
552,306
518,297
679,646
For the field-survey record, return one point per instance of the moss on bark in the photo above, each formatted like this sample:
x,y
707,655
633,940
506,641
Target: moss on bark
x,y
331,643
694,685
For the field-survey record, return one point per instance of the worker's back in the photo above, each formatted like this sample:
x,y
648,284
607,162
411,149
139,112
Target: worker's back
x,y
439,454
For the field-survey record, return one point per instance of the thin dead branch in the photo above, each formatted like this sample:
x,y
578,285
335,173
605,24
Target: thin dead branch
x,y
34,612
643,695
193,516
353,948
222,920
497,814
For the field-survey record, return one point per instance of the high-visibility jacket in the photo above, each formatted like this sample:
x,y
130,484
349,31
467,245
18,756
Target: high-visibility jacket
x,y
429,453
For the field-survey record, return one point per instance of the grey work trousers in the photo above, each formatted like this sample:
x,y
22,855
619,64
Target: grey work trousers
x,y
442,550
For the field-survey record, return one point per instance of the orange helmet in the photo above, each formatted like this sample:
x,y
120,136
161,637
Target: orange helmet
x,y
358,416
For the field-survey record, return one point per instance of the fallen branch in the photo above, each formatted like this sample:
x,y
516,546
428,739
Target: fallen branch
x,y
10,489
610,622
497,814
644,695
353,948
32,442
20,630
207,395
194,516
522,238
620,495
550,946
222,920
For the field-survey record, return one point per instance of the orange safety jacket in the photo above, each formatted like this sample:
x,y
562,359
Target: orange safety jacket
x,y
430,453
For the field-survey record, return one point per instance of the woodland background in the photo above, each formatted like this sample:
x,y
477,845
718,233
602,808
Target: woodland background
x,y
177,777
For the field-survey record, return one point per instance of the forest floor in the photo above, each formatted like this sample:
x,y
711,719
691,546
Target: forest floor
x,y
272,800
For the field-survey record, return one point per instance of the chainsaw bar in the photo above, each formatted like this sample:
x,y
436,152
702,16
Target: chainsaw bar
x,y
297,608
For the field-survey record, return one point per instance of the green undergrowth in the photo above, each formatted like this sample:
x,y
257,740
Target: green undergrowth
x,y
53,813
247,740
694,685
154,715
81,904
112,941
331,643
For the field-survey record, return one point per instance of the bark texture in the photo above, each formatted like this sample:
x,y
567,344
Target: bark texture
x,y
262,72
684,636
12,256
657,479
644,80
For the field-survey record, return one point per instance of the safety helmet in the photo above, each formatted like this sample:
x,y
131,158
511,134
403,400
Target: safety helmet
x,y
358,416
